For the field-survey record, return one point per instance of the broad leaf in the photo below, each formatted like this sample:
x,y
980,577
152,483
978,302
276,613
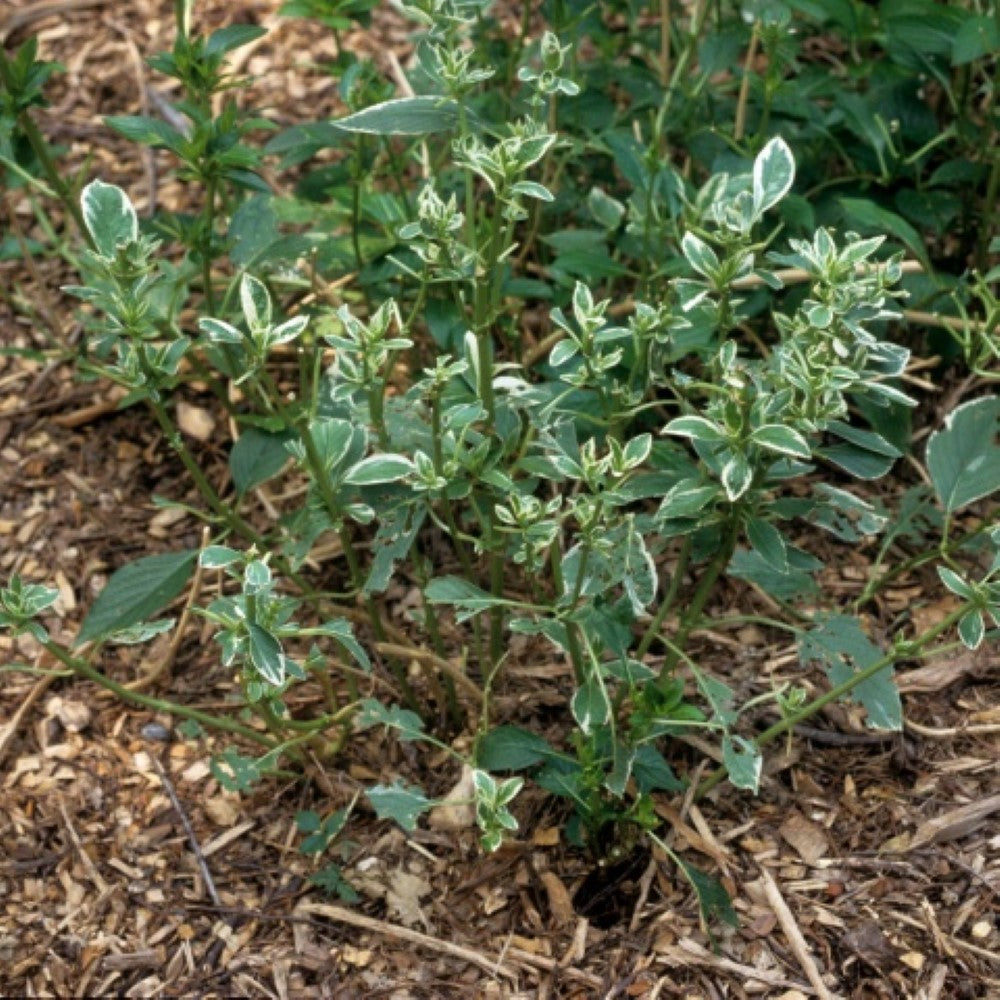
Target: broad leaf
x,y
963,457
769,543
398,802
510,748
136,591
379,469
404,116
408,724
743,762
713,900
590,705
839,643
773,174
110,217
266,655
257,456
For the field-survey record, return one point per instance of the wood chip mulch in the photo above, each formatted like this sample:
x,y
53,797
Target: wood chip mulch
x,y
866,868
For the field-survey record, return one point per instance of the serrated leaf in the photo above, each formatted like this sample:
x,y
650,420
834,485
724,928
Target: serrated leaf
x,y
773,175
401,803
713,900
408,724
109,216
136,591
652,773
963,458
404,116
839,643
743,761
257,456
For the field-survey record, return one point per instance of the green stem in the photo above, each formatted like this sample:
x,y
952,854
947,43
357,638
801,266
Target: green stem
x,y
84,669
207,232
40,148
693,612
909,651
572,629
668,599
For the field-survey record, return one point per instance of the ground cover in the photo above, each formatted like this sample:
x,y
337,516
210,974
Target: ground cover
x,y
867,858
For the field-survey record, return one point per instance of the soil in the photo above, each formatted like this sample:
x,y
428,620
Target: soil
x,y
868,867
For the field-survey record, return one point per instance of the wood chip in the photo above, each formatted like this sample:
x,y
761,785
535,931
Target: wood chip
x,y
955,823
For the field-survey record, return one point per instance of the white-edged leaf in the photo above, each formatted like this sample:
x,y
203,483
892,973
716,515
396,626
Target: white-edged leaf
x,y
256,302
109,216
379,469
963,458
773,175
401,803
743,762
696,428
217,557
266,655
777,437
404,116
972,629
219,331
737,475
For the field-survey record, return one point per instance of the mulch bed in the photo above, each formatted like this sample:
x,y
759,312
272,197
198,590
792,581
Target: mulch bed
x,y
126,870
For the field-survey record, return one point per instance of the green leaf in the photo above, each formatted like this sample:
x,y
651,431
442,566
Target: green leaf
x,y
777,437
972,629
397,530
379,469
265,654
839,643
135,635
713,900
404,116
464,595
110,217
963,458
590,705
147,132
737,475
769,543
257,456
743,762
872,218
136,591
977,37
652,773
607,211
398,802
231,37
773,175
510,748
695,428
218,557
408,724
